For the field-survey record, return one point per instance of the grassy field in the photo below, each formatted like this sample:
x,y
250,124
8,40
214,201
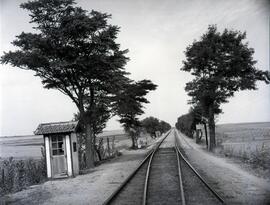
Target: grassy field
x,y
243,132
242,126
250,141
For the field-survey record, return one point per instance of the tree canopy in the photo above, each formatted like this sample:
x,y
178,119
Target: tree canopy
x,y
164,126
152,124
129,105
222,64
74,51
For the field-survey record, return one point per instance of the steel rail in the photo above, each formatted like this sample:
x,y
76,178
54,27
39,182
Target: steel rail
x,y
117,191
180,178
200,177
149,168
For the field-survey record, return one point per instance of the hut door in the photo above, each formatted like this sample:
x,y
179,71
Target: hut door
x,y
59,161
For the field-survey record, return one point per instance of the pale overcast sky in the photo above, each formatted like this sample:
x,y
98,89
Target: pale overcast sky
x,y
156,32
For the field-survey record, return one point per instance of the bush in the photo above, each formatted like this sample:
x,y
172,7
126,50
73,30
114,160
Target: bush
x,y
18,174
260,158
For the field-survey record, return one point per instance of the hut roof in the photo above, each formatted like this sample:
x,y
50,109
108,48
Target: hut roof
x,y
56,127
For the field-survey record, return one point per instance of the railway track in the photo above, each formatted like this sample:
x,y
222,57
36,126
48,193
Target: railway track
x,y
165,177
195,189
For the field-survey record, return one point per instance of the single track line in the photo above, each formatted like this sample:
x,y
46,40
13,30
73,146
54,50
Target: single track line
x,y
198,175
113,196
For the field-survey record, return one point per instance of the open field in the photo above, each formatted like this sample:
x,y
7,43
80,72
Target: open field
x,y
21,147
230,127
245,139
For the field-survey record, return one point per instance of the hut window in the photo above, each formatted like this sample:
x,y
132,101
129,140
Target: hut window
x,y
57,145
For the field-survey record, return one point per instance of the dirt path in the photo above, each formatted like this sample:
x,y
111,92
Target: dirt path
x,y
234,184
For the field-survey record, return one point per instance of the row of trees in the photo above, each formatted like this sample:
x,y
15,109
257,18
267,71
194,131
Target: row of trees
x,y
187,123
222,64
151,125
134,127
75,51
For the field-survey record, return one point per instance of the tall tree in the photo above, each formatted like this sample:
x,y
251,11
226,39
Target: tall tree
x,y
129,105
73,51
222,64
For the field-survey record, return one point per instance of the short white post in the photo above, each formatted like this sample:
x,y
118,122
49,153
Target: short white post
x,y
48,157
69,166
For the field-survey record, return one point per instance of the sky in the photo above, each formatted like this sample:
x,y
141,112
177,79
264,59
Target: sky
x,y
156,32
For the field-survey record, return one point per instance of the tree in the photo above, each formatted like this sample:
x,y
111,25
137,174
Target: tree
x,y
222,64
101,114
164,126
129,105
73,51
186,124
152,124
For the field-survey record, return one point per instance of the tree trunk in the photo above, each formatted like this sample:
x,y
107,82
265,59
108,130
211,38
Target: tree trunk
x,y
97,148
212,135
133,142
89,147
197,136
206,134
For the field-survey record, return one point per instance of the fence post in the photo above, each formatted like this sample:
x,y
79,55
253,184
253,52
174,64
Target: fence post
x,y
206,136
108,144
3,176
113,145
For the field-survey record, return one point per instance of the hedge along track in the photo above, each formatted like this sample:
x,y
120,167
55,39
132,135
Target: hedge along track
x,y
117,197
194,188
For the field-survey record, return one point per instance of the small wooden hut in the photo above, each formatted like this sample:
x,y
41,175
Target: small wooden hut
x,y
61,148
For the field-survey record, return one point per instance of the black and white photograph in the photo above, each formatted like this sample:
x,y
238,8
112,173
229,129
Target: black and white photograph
x,y
130,102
